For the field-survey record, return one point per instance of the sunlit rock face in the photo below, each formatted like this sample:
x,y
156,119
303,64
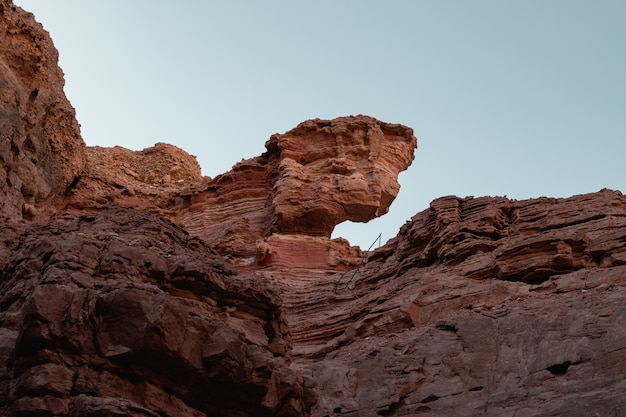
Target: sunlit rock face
x,y
311,178
41,150
330,171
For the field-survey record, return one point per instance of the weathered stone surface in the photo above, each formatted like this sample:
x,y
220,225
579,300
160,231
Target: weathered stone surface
x,y
311,178
41,151
138,179
480,306
122,313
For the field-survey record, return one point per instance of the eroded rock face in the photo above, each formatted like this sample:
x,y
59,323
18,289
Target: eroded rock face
x,y
123,313
480,306
311,178
138,179
330,171
41,151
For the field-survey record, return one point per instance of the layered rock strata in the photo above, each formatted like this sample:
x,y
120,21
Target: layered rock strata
x,y
310,179
280,208
480,306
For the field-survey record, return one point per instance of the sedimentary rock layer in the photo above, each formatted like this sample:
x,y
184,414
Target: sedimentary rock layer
x,y
480,306
311,178
279,208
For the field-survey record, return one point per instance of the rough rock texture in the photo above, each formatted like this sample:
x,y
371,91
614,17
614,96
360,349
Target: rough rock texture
x,y
480,306
279,208
311,178
41,151
123,313
139,179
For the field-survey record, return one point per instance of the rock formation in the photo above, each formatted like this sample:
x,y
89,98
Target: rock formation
x,y
41,151
124,313
280,208
480,306
130,285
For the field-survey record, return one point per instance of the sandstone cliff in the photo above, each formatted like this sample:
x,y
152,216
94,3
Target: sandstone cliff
x,y
41,151
130,285
480,306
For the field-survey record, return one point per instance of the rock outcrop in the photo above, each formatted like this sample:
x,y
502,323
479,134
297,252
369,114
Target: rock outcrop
x,y
280,208
41,151
480,306
130,285
124,313
138,179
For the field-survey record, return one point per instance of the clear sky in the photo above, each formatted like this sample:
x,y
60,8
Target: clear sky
x,y
517,98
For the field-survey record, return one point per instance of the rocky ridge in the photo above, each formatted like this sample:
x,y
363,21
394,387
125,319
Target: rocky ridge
x,y
480,306
131,285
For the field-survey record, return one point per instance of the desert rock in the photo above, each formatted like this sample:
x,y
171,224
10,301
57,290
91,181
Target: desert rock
x,y
130,285
123,313
480,306
41,150
311,178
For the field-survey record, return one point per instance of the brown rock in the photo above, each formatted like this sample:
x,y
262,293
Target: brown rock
x,y
311,178
124,313
41,151
481,306
139,179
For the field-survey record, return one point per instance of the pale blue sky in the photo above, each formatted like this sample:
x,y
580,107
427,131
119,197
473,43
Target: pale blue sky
x,y
517,98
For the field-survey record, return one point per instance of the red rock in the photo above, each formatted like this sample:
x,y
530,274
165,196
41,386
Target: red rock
x,y
479,306
41,151
506,307
311,178
117,304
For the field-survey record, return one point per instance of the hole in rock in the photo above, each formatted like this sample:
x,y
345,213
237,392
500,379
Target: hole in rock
x,y
72,185
430,399
46,257
363,235
390,411
476,389
559,369
537,277
337,410
447,327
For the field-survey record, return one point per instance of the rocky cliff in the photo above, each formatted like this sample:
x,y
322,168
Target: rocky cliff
x,y
130,285
480,306
41,151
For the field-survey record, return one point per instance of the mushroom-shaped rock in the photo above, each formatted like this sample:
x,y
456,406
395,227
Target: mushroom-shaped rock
x,y
310,179
330,171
